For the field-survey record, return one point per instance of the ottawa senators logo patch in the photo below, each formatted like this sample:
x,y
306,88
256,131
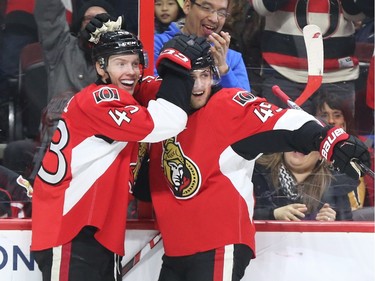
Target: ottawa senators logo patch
x,y
182,173
243,97
106,94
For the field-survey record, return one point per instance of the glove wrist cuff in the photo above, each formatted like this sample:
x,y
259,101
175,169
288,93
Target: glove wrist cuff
x,y
175,56
334,135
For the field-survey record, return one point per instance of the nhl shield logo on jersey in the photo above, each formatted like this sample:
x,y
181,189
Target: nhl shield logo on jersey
x,y
106,94
243,97
182,174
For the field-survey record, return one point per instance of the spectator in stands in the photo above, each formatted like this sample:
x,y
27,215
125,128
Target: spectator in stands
x,y
284,52
207,19
335,112
67,57
292,186
167,11
129,9
364,26
15,195
245,27
364,50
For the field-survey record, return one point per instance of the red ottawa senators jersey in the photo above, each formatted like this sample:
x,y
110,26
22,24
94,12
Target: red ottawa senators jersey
x,y
89,166
200,180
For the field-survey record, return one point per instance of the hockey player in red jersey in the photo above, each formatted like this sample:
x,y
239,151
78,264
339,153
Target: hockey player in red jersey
x,y
81,190
200,180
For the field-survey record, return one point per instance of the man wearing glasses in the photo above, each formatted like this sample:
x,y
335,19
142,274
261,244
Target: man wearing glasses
x,y
206,18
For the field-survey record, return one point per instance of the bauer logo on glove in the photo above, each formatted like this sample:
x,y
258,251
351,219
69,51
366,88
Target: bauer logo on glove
x,y
335,135
343,151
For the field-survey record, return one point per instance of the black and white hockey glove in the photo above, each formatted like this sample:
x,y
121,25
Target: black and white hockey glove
x,y
344,151
100,24
179,52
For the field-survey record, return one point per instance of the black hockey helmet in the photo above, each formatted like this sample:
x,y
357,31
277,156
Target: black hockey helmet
x,y
115,43
206,60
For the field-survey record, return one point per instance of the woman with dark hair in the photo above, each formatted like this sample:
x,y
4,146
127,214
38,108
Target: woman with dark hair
x,y
335,112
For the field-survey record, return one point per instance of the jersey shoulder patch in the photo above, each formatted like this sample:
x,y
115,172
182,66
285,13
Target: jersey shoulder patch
x,y
106,94
244,97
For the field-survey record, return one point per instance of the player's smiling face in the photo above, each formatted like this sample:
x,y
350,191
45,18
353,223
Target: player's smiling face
x,y
202,87
124,71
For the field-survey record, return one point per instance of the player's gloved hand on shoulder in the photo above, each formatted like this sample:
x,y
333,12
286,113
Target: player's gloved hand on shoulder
x,y
344,150
100,24
180,52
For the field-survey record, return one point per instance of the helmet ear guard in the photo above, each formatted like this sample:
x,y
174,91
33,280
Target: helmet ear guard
x,y
102,63
145,59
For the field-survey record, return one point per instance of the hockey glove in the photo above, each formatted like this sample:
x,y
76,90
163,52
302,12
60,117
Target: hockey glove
x,y
343,151
100,24
180,52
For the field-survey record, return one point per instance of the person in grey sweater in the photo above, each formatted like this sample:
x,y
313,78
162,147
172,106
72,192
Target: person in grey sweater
x,y
67,57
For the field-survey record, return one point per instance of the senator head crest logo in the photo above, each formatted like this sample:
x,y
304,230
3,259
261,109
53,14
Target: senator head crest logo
x,y
182,174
